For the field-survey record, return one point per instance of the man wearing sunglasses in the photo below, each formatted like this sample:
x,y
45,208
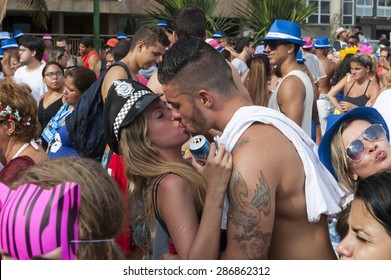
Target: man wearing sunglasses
x,y
294,93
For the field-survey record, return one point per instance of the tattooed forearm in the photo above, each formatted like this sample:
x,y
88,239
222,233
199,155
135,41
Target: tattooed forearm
x,y
245,214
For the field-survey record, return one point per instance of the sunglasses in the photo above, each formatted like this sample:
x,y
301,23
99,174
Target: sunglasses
x,y
356,150
274,44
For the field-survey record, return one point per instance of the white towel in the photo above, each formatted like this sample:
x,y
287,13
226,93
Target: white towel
x,y
323,195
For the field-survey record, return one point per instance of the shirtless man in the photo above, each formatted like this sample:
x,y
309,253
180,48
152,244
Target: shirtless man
x,y
322,47
147,48
268,213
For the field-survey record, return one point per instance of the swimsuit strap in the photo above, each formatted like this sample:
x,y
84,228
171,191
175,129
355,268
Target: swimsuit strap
x,y
154,202
21,149
347,94
367,87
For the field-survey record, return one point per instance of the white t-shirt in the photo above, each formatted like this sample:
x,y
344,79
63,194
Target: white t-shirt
x,y
33,79
240,65
382,104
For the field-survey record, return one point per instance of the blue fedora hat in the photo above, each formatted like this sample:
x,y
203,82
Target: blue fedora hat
x,y
362,112
9,44
218,34
162,22
284,30
322,43
4,35
299,57
17,33
122,35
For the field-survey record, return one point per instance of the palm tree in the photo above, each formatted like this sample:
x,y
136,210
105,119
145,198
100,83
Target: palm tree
x,y
167,9
38,11
259,15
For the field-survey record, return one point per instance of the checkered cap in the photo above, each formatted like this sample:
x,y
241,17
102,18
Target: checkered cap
x,y
125,101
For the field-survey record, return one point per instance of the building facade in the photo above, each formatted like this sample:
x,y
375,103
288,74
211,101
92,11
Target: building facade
x,y
75,17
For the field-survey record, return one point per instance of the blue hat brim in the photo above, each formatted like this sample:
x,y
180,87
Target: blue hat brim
x,y
363,112
294,41
322,46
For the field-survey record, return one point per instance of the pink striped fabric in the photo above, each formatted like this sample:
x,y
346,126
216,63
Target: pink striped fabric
x,y
35,221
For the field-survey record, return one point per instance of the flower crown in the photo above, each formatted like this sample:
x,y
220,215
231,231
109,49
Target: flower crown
x,y
13,114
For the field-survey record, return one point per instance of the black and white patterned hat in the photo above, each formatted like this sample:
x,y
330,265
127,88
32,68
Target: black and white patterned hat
x,y
125,101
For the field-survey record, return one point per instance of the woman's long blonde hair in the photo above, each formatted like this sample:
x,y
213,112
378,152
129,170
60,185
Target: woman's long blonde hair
x,y
143,163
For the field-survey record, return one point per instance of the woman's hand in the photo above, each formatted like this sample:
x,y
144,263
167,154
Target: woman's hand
x,y
346,106
217,169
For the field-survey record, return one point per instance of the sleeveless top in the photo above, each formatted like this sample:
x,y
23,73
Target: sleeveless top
x,y
359,100
46,114
306,123
162,224
86,57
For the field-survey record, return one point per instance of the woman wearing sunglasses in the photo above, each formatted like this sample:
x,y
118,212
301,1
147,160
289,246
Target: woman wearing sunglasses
x,y
356,146
353,148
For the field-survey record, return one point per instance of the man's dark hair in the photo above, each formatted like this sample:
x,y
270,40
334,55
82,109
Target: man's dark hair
x,y
243,42
63,38
87,41
121,49
358,27
183,61
33,44
190,21
384,42
354,36
150,34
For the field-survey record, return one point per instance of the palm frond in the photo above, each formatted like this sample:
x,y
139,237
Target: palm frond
x,y
259,15
167,9
38,11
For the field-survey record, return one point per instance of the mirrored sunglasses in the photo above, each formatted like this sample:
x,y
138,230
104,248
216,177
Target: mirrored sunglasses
x,y
356,150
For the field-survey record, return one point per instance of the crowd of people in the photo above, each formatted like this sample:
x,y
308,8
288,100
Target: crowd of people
x,y
297,128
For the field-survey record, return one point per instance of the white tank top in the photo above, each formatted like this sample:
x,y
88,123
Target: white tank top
x,y
309,97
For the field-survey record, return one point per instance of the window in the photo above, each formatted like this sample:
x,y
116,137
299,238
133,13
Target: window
x,y
347,12
384,8
322,16
364,8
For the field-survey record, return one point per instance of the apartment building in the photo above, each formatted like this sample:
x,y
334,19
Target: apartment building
x,y
76,16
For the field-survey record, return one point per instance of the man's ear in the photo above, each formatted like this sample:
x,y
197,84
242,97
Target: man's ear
x,y
174,36
205,98
140,45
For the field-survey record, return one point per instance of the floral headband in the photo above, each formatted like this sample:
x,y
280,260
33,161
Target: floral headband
x,y
13,114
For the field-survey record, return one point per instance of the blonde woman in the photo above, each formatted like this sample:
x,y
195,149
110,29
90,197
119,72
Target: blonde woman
x,y
139,126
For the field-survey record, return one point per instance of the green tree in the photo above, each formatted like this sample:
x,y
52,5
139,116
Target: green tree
x,y
38,11
168,8
259,15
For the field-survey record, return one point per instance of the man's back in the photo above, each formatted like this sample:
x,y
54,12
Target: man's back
x,y
330,68
267,198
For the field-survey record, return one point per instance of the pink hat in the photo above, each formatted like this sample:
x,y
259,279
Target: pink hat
x,y
308,43
47,36
35,221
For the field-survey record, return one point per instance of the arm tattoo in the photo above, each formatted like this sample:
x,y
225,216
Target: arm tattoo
x,y
241,143
245,214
